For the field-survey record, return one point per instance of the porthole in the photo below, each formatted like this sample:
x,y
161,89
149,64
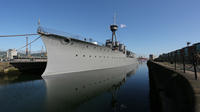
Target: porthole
x,y
83,55
67,40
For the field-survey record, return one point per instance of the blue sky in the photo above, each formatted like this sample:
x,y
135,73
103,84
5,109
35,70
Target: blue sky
x,y
153,26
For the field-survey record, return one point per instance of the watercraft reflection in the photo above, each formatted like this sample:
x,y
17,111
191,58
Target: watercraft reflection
x,y
68,91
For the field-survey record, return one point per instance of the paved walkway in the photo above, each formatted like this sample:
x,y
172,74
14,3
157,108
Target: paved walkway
x,y
189,72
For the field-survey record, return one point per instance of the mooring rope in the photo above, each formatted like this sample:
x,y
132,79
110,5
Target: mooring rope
x,y
22,35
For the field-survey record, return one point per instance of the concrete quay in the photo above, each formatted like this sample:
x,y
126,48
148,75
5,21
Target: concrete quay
x,y
7,69
173,90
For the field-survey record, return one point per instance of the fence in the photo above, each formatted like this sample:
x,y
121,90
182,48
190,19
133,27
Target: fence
x,y
187,58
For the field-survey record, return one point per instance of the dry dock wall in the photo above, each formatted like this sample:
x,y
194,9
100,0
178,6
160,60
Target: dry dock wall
x,y
170,91
34,68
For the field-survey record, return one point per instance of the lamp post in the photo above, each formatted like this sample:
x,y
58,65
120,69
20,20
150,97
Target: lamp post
x,y
188,43
175,55
183,54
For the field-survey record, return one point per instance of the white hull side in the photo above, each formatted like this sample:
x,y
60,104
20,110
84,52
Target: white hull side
x,y
78,56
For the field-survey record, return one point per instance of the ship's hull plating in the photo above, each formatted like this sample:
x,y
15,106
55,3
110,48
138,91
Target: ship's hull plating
x,y
71,55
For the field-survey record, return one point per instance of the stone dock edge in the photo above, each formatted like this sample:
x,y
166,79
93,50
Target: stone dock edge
x,y
172,90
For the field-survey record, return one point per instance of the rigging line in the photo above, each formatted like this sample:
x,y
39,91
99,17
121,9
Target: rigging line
x,y
28,43
17,35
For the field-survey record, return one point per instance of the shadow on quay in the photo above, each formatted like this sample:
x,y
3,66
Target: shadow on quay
x,y
169,91
15,72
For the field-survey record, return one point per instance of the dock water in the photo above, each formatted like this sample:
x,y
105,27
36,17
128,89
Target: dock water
x,y
107,90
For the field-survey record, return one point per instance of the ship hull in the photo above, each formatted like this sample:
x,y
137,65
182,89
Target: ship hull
x,y
68,55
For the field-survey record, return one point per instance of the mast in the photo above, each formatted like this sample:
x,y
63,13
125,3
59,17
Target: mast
x,y
41,52
27,46
113,28
30,50
114,19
